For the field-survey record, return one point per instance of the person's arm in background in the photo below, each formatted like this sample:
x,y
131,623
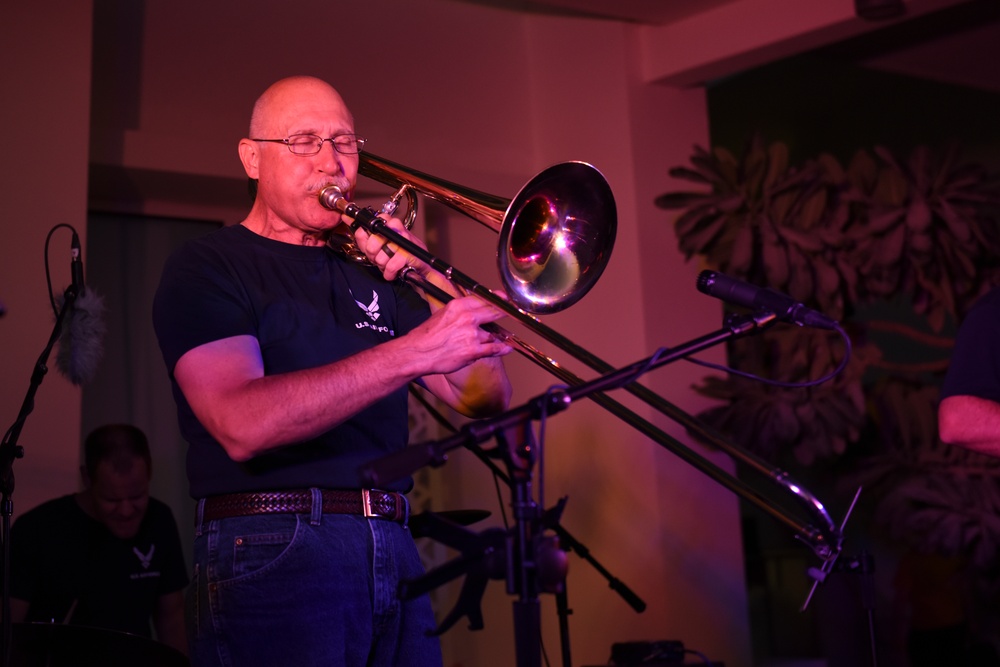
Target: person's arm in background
x,y
969,411
168,621
970,422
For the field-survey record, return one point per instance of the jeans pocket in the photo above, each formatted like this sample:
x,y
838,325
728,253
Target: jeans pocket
x,y
254,553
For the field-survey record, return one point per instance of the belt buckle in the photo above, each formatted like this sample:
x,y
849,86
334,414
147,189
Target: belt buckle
x,y
366,504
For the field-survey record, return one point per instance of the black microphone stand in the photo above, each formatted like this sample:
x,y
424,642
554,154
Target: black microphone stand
x,y
486,556
520,456
523,551
405,462
9,451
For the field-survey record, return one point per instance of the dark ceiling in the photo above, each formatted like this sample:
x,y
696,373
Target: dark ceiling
x,y
959,44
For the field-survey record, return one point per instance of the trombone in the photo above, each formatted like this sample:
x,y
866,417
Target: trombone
x,y
555,238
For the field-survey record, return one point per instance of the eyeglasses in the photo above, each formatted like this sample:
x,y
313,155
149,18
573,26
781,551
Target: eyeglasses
x,y
310,144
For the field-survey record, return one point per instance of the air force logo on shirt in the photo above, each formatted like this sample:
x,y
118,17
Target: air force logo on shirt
x,y
145,559
371,310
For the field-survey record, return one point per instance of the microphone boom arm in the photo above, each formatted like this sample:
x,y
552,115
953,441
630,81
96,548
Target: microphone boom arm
x,y
824,540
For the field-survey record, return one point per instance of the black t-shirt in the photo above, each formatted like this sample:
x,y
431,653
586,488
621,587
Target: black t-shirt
x,y
66,564
306,306
974,369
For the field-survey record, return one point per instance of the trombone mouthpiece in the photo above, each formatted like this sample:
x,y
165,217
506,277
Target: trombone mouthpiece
x,y
330,196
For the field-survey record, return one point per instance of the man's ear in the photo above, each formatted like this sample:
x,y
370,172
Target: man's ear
x,y
84,477
250,157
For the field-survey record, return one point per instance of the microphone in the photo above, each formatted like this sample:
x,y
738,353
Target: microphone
x,y
81,340
740,293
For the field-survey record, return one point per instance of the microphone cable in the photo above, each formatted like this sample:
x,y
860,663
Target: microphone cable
x,y
45,259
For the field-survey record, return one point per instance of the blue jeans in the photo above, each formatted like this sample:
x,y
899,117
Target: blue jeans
x,y
304,590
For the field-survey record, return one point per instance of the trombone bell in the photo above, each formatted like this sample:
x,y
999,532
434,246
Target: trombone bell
x,y
556,235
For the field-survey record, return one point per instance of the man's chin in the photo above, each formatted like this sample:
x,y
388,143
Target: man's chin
x,y
124,531
341,229
338,235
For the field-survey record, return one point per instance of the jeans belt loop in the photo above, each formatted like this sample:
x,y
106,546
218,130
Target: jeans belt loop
x,y
316,511
199,517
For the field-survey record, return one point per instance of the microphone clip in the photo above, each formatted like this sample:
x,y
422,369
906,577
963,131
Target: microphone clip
x,y
741,324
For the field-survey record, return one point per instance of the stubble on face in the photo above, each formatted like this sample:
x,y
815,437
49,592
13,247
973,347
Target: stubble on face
x,y
118,496
288,208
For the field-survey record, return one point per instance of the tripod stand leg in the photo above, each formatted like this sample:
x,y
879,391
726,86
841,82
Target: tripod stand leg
x,y
527,624
562,608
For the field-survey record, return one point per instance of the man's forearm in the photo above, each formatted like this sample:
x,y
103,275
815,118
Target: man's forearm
x,y
970,422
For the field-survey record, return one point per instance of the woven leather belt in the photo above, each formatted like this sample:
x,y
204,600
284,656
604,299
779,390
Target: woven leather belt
x,y
378,504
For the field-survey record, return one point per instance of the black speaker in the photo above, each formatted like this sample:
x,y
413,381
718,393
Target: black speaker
x,y
667,652
879,10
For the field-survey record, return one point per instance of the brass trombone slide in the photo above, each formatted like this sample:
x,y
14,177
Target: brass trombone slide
x,y
531,210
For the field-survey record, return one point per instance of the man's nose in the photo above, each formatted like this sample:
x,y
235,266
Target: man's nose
x,y
330,159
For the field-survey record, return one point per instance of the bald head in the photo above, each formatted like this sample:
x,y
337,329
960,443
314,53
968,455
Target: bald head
x,y
283,97
286,183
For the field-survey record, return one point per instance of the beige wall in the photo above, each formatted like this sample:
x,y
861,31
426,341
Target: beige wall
x,y
45,85
479,96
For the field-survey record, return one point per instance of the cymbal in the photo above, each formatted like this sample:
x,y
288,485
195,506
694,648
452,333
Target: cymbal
x,y
51,645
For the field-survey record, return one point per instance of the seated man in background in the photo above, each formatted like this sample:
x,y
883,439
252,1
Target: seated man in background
x,y
107,557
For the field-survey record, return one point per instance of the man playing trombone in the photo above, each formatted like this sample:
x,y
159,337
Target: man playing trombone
x,y
289,366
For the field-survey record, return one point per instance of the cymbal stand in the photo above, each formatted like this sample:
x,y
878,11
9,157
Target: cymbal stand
x,y
863,565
